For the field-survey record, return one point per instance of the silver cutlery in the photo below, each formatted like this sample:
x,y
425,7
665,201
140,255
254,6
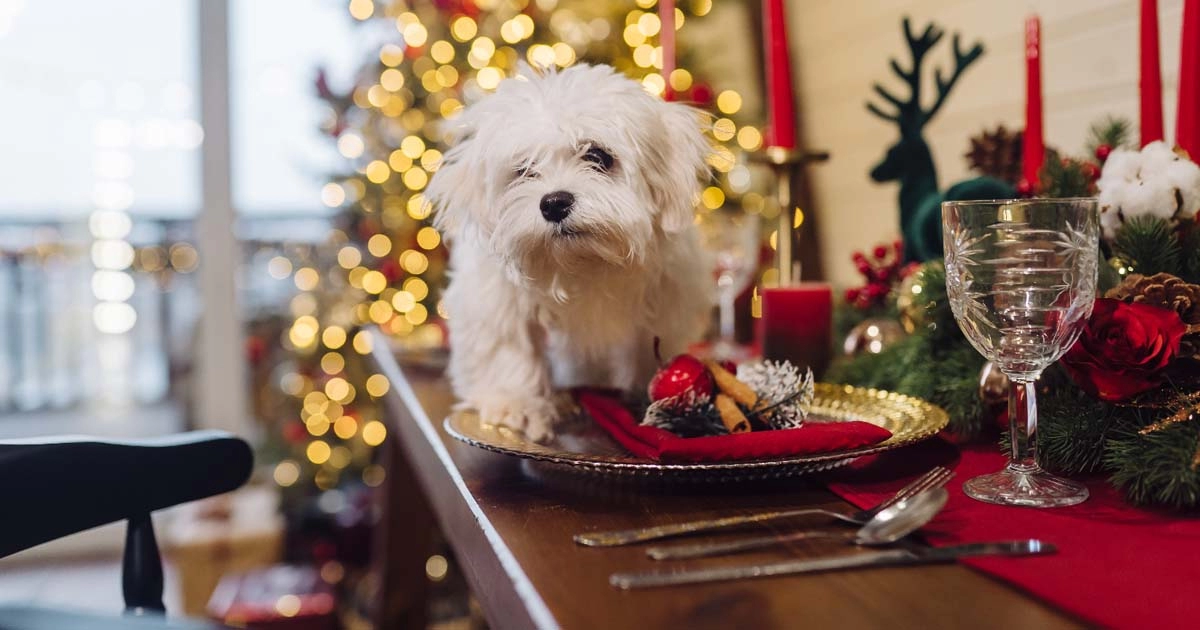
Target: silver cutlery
x,y
935,478
888,526
890,557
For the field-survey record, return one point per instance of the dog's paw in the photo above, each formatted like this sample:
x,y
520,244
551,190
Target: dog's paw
x,y
535,417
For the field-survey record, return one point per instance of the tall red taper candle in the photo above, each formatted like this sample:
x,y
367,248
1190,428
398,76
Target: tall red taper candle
x,y
1187,116
666,37
1034,148
781,108
1150,81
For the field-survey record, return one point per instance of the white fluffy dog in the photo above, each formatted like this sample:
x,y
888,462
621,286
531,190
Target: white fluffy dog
x,y
567,203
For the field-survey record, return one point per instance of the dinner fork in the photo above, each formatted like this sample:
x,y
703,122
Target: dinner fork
x,y
935,478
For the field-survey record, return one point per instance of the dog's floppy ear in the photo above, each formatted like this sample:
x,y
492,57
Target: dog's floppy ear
x,y
679,167
456,188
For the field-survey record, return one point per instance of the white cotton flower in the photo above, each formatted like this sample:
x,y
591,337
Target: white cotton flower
x,y
1155,181
1157,156
1122,165
1184,176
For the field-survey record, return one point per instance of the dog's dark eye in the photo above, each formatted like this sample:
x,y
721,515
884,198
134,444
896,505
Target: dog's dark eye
x,y
603,160
525,172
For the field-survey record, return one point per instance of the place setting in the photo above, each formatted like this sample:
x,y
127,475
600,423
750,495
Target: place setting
x,y
1039,322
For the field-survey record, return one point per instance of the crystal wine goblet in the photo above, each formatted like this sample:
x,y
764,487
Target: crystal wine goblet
x,y
732,237
1021,278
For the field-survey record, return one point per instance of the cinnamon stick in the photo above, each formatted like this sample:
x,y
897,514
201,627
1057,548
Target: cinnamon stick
x,y
733,418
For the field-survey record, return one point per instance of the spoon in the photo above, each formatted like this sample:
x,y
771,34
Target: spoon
x,y
888,526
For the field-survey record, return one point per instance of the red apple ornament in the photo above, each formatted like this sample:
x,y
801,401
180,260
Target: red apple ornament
x,y
681,375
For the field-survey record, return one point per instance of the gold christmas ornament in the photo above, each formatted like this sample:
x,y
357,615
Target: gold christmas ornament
x,y
993,385
912,313
872,336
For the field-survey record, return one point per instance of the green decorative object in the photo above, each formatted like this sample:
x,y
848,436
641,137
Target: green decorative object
x,y
910,162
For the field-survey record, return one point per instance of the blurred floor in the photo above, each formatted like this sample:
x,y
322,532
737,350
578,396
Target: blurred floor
x,y
84,584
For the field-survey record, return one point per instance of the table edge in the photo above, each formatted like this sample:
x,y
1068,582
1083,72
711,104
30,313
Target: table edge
x,y
381,352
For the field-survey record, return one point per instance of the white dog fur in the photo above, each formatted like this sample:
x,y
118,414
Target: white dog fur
x,y
536,304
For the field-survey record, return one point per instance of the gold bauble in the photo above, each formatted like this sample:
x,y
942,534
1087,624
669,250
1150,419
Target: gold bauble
x,y
912,315
872,336
993,384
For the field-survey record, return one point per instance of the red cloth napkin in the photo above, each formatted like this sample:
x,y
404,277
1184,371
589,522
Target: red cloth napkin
x,y
661,445
1116,566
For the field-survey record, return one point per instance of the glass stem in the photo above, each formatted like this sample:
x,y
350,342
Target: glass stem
x,y
1022,426
727,319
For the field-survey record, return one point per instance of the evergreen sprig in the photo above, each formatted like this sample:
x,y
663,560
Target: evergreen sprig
x,y
1148,244
1112,131
1189,261
1065,177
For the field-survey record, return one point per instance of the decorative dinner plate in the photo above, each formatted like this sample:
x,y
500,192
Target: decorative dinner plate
x,y
582,446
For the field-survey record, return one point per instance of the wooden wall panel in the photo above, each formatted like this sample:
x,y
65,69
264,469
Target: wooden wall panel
x,y
840,47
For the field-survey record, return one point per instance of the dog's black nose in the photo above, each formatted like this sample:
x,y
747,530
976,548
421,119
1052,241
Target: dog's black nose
x,y
557,205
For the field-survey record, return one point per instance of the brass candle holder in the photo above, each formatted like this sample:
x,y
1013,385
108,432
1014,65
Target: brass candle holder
x,y
784,163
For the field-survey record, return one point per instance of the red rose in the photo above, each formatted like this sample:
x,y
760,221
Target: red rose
x,y
1124,349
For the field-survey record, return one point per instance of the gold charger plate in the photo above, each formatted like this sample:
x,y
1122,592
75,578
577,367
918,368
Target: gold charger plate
x,y
582,446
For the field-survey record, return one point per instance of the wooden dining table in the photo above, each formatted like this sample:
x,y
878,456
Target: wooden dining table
x,y
510,524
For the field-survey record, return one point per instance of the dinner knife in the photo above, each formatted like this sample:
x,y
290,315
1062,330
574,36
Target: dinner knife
x,y
890,557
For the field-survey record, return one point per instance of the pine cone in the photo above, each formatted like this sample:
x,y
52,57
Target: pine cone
x,y
997,153
1162,290
1170,292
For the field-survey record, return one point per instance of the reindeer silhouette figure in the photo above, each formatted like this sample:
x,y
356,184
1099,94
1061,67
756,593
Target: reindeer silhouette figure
x,y
911,162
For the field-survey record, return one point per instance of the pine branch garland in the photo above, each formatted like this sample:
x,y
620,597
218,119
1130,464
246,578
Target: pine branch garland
x,y
1074,429
1156,469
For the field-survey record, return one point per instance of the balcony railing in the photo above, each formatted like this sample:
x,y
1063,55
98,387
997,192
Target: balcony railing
x,y
102,316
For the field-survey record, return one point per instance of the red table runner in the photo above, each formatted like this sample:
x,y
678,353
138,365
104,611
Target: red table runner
x,y
1116,565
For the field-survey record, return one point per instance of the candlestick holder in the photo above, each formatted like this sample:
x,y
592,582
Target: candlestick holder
x,y
795,322
784,164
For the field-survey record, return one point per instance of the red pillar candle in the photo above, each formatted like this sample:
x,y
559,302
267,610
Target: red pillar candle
x,y
1187,118
666,37
781,106
1034,148
1150,82
797,324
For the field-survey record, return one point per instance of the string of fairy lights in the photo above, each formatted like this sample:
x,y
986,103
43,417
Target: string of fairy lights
x,y
385,265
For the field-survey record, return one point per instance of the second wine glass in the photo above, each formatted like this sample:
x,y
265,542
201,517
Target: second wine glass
x,y
732,238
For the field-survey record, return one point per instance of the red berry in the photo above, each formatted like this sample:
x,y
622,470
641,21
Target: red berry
x,y
1024,188
852,295
1102,152
883,274
1091,171
863,267
880,252
876,291
729,366
858,258
681,375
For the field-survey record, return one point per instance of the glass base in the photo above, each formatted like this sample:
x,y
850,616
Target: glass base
x,y
1035,488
